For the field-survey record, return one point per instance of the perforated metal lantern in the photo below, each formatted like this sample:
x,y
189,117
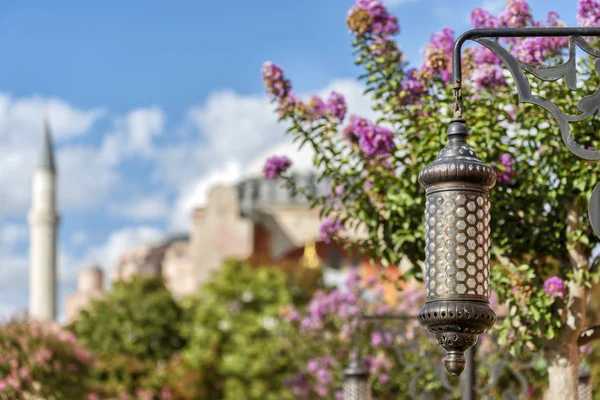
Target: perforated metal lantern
x,y
356,380
457,248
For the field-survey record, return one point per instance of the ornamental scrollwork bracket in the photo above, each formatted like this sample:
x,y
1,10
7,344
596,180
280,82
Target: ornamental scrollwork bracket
x,y
588,106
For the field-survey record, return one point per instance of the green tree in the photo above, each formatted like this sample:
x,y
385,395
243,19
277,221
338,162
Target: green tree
x,y
138,318
133,332
542,241
233,337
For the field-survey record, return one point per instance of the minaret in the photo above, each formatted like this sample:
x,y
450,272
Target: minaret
x,y
43,223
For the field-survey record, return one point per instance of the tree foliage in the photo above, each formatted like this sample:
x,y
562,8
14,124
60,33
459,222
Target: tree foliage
x,y
540,202
232,337
139,318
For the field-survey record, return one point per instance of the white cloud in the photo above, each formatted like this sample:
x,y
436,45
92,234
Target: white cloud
x,y
21,119
84,180
21,127
229,143
11,235
133,135
142,208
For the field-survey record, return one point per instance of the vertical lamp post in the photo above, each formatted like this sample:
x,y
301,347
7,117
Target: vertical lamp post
x,y
457,208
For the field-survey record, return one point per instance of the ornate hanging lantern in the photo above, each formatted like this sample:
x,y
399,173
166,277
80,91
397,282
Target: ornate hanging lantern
x,y
457,213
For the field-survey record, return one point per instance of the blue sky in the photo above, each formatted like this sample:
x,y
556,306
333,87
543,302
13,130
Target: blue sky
x,y
152,102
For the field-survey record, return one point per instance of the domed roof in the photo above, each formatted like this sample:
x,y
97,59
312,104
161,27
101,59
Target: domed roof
x,y
301,159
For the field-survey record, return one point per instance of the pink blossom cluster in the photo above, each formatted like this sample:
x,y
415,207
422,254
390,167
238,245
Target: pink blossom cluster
x,y
280,90
334,314
488,73
413,86
371,16
438,55
275,166
275,81
555,287
324,306
379,365
335,107
505,170
488,76
588,13
516,15
329,228
373,140
320,369
35,355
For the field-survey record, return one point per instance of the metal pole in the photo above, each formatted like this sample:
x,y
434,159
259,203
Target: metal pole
x,y
469,378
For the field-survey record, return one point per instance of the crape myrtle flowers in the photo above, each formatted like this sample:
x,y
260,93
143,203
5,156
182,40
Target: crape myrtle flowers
x,y
555,287
280,90
371,17
275,166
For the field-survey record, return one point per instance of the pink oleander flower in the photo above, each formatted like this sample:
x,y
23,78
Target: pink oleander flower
x,y
275,81
588,13
555,287
275,166
371,16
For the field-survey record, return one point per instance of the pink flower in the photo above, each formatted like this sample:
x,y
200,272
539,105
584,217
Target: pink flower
x,y
275,81
516,15
329,228
555,287
380,21
438,54
275,166
506,172
336,106
316,107
373,140
481,18
378,339
588,13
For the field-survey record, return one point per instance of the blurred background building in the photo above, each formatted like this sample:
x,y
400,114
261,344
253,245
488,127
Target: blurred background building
x,y
256,220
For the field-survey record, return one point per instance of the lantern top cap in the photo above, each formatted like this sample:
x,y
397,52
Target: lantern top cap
x,y
356,367
457,162
457,130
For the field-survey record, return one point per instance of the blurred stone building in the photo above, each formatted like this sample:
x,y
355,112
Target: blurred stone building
x,y
256,220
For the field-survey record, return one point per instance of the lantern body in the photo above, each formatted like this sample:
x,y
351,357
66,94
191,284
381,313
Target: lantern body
x,y
457,228
356,381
